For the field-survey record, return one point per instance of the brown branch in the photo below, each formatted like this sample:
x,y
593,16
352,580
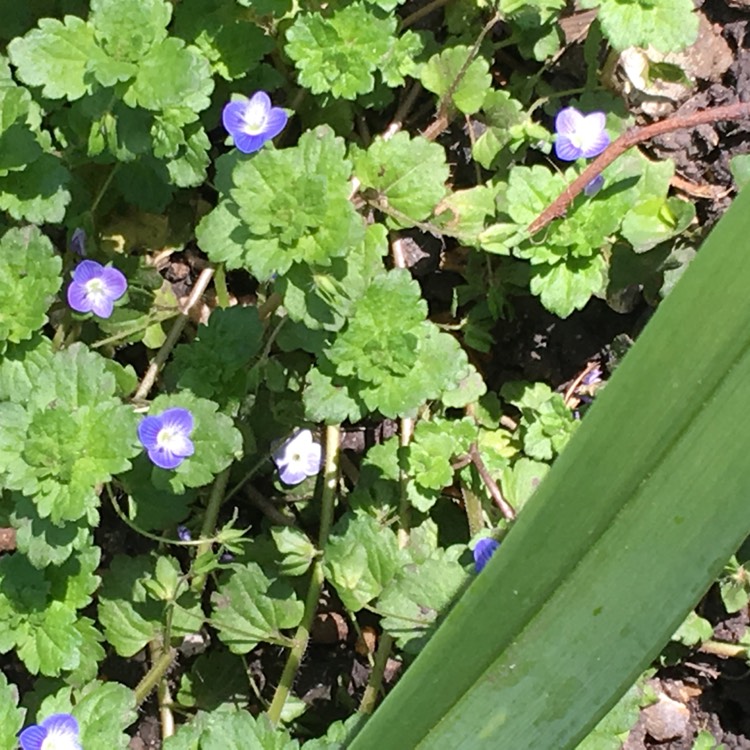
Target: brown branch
x,y
491,484
558,207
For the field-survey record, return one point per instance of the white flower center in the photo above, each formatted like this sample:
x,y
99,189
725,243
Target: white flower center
x,y
167,438
95,289
254,120
60,740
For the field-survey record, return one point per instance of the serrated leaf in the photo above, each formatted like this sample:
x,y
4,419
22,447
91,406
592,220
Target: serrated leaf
x,y
229,731
428,456
408,175
47,642
250,608
57,56
222,32
441,76
339,54
39,193
296,550
171,75
128,29
29,277
568,286
285,207
11,717
215,364
667,25
417,597
215,678
655,220
361,557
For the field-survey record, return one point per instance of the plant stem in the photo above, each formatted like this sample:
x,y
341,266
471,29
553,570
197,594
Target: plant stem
x,y
174,334
220,284
151,679
317,578
491,484
634,136
422,12
367,705
208,526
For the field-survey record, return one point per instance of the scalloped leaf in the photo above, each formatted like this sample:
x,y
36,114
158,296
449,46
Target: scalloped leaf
x,y
250,608
29,279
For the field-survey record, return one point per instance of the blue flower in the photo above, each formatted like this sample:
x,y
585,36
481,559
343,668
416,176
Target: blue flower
x,y
78,242
56,732
95,288
594,186
579,135
483,551
252,122
166,437
298,458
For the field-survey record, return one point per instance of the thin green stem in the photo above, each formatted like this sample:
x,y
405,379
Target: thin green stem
x,y
220,285
246,478
370,697
104,187
209,521
317,578
154,675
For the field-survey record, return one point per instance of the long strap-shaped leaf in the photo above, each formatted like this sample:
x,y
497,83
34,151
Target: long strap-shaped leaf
x,y
622,538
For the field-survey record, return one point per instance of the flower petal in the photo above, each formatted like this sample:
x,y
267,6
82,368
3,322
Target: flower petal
x,y
566,150
312,461
233,116
32,737
568,121
164,458
87,270
115,283
101,305
275,122
594,143
292,474
181,445
77,298
248,144
177,419
483,551
259,106
62,732
148,431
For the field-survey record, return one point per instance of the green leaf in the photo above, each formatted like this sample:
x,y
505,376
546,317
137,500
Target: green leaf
x,y
339,54
568,286
215,364
29,278
361,557
75,433
655,220
39,193
408,175
233,730
441,76
693,631
739,166
128,29
414,601
216,677
11,717
428,456
222,32
250,608
283,207
611,544
171,75
296,550
57,56
667,25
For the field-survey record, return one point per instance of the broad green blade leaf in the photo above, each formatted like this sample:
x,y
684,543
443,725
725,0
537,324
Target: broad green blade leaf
x,y
628,530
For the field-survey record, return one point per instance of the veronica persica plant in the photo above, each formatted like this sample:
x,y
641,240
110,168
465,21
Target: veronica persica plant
x,y
252,122
56,732
95,288
166,437
580,135
298,458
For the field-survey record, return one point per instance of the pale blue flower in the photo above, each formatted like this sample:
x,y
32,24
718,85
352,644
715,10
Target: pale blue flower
x,y
95,288
166,437
580,135
298,458
483,551
56,732
594,186
78,242
252,122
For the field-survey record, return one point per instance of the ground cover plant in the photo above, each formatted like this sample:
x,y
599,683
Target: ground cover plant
x,y
261,422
